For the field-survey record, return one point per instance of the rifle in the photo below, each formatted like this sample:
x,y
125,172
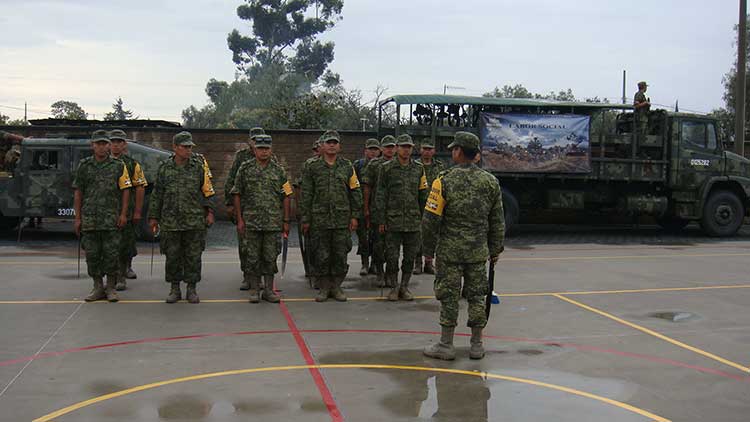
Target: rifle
x,y
153,244
79,257
488,299
284,252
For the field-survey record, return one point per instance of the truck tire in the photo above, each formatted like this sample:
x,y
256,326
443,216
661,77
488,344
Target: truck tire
x,y
510,209
723,214
671,223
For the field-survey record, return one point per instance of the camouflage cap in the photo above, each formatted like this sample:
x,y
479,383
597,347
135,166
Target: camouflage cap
x,y
183,138
372,143
427,143
316,143
330,135
256,131
100,135
118,134
388,141
262,141
404,140
466,140
642,83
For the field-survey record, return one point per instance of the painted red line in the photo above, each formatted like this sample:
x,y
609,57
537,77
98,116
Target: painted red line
x,y
580,347
330,403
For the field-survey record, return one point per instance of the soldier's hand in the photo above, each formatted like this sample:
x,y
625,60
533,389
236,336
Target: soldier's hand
x,y
241,227
77,227
285,229
306,228
381,228
154,224
210,219
353,224
122,220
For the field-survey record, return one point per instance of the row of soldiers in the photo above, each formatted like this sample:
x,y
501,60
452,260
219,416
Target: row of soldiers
x,y
461,221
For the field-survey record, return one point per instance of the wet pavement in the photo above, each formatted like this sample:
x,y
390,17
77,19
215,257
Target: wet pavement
x,y
594,323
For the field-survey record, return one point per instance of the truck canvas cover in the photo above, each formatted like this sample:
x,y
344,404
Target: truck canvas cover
x,y
535,143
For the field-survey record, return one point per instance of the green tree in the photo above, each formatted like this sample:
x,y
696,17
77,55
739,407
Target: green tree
x,y
118,112
67,110
284,33
726,115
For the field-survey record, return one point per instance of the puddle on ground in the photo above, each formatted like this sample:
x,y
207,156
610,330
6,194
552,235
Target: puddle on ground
x,y
530,352
673,316
254,406
314,405
103,387
184,406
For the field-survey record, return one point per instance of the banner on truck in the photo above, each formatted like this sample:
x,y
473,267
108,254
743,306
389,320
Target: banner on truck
x,y
534,143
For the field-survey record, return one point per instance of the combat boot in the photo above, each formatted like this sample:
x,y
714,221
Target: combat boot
x,y
245,285
97,293
336,291
429,268
110,289
444,349
393,294
391,281
174,293
403,291
417,266
324,286
129,273
268,294
476,351
121,283
254,287
363,270
192,294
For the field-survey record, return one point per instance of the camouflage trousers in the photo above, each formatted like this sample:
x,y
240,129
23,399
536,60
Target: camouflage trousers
x,y
641,126
183,250
363,240
393,243
378,246
448,291
102,251
262,248
242,249
127,245
328,249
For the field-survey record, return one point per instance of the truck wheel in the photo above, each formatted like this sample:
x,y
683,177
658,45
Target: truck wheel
x,y
510,209
672,223
722,214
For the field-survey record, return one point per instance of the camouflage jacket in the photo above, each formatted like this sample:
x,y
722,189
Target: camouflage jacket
x,y
639,98
360,165
463,220
181,195
239,158
136,177
331,195
370,178
432,170
101,184
262,192
400,196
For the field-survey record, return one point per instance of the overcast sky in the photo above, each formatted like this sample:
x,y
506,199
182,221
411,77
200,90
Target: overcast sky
x,y
158,54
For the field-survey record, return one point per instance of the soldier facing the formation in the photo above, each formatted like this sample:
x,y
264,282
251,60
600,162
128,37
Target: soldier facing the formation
x,y
400,195
181,210
128,249
102,192
331,207
462,227
243,155
261,193
432,167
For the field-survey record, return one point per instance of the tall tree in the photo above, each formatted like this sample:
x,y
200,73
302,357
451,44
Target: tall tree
x,y
284,33
726,115
118,112
67,110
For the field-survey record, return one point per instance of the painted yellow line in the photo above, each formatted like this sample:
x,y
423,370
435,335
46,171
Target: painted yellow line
x,y
379,298
486,375
504,259
657,335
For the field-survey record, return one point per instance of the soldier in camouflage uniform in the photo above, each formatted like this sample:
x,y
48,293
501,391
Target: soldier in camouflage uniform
x,y
331,207
261,193
298,209
463,226
372,151
181,210
642,105
128,248
102,192
399,198
240,157
432,167
370,182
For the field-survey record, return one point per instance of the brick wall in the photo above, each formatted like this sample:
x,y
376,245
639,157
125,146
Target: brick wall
x,y
291,147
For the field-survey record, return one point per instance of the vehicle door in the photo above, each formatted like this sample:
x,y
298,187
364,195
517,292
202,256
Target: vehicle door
x,y
700,156
46,180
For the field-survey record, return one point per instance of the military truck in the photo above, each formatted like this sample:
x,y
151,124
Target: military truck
x,y
589,157
40,183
